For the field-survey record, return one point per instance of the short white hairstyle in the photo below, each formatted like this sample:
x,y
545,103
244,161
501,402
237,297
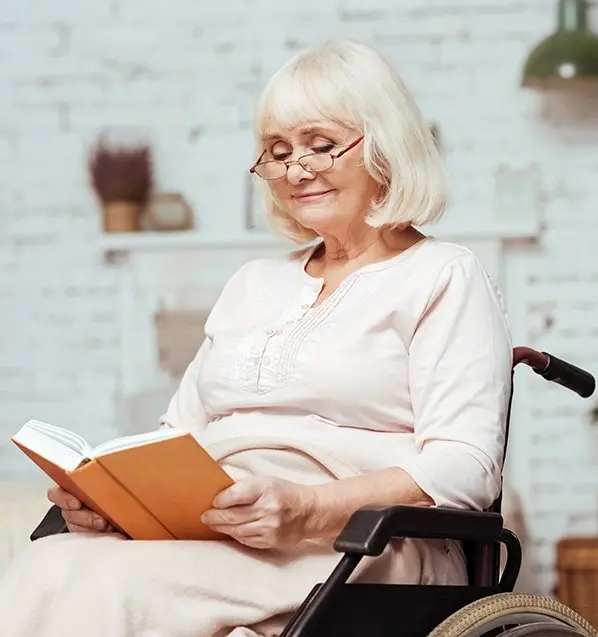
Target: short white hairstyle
x,y
351,84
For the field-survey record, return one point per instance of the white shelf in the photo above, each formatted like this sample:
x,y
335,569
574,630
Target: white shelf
x,y
129,242
144,241
524,229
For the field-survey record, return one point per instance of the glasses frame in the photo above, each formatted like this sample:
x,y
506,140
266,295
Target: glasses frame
x,y
290,162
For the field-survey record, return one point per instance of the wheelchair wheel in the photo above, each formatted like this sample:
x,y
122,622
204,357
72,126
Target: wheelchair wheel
x,y
515,615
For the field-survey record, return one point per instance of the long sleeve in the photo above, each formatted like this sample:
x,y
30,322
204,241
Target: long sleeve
x,y
185,410
460,361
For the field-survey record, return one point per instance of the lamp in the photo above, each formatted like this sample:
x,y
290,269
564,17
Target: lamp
x,y
570,53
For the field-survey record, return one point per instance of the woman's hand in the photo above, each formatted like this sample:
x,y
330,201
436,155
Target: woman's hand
x,y
78,518
264,513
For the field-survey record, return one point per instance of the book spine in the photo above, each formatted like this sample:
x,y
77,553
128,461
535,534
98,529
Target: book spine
x,y
115,502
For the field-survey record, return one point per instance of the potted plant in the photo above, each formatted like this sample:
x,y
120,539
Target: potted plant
x,y
122,178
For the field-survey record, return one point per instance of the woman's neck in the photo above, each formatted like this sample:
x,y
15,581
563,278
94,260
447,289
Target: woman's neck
x,y
373,245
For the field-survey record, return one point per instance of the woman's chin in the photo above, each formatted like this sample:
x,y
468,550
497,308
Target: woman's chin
x,y
316,218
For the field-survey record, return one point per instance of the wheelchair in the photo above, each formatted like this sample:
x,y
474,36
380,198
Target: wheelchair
x,y
487,605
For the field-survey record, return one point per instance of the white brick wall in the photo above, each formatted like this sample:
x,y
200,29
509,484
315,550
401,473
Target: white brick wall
x,y
188,73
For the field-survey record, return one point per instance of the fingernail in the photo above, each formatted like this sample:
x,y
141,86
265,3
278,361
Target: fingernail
x,y
73,504
99,524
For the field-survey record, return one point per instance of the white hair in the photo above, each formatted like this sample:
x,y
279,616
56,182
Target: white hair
x,y
351,84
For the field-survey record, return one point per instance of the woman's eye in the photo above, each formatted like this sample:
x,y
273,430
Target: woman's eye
x,y
323,149
280,151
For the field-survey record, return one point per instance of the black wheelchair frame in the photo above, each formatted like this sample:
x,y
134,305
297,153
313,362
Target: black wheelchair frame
x,y
337,608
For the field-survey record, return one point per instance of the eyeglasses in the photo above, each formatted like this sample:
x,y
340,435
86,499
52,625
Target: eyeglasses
x,y
313,163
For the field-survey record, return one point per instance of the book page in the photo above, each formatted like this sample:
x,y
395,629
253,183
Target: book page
x,y
41,443
64,436
135,440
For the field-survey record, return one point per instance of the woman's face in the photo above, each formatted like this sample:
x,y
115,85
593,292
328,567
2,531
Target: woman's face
x,y
330,202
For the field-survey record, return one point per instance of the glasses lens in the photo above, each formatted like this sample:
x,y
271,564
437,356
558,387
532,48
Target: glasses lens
x,y
271,169
316,162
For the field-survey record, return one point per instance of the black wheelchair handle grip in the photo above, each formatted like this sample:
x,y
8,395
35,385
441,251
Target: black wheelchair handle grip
x,y
568,375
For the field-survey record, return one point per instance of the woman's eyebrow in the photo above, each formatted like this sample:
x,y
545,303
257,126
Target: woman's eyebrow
x,y
305,131
315,130
271,137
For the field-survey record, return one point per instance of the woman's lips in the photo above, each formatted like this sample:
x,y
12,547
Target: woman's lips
x,y
312,196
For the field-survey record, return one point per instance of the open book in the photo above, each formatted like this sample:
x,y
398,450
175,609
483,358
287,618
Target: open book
x,y
152,486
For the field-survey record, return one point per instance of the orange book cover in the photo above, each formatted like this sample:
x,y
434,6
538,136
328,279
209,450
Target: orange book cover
x,y
152,487
117,503
176,480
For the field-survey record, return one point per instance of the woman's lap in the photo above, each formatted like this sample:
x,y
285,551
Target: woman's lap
x,y
106,586
109,586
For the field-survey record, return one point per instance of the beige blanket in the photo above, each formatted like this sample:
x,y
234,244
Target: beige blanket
x,y
105,586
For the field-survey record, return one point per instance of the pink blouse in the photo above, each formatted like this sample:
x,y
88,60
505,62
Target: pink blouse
x,y
407,363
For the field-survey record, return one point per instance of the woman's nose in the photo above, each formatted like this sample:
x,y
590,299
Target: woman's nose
x,y
296,174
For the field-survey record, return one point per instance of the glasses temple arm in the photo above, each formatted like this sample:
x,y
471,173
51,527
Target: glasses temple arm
x,y
349,147
252,169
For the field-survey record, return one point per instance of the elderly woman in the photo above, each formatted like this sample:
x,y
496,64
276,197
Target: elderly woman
x,y
370,367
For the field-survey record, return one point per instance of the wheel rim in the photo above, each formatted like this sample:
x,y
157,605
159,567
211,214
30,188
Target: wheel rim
x,y
507,611
524,620
548,627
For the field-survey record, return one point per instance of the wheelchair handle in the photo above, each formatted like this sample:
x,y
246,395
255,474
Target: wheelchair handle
x,y
556,370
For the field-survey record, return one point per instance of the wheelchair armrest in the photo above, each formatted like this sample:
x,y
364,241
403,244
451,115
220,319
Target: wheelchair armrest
x,y
369,529
52,524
